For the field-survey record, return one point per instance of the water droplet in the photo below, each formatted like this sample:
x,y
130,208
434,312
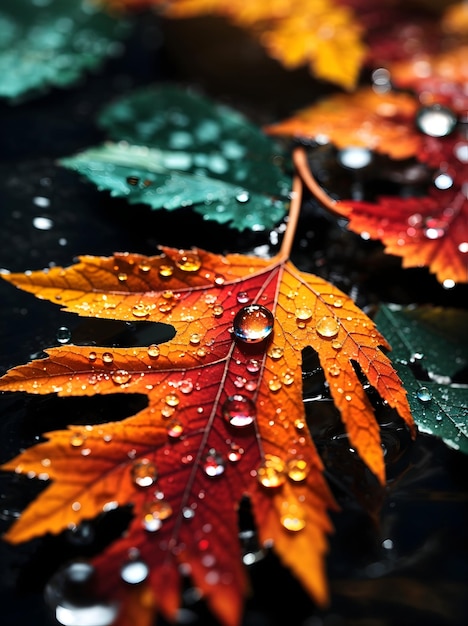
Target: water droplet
x,y
185,386
69,593
43,223
303,313
253,323
275,352
424,394
166,270
235,453
327,327
144,473
219,280
243,196
338,303
213,464
287,378
107,357
122,277
188,512
134,571
153,351
188,261
167,411
92,356
195,339
218,310
253,366
140,309
172,399
144,267
292,517
242,297
77,439
443,180
271,472
300,423
297,469
336,345
436,120
202,352
334,370
154,513
121,377
274,384
133,180
239,411
63,334
175,428
355,157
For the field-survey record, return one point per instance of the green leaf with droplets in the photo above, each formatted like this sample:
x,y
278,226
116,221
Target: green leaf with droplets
x,y
430,353
173,148
51,43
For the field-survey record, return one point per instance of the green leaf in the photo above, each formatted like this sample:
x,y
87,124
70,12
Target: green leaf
x,y
175,148
45,43
430,352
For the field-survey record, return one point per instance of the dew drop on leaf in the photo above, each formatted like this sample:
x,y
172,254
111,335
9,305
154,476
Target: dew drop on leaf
x,y
219,280
175,428
287,378
272,472
134,571
63,335
107,357
92,356
239,411
166,270
218,310
334,370
172,399
253,366
213,464
292,517
121,377
144,267
77,439
153,351
235,453
436,120
327,327
144,473
253,323
122,277
140,309
303,313
275,352
195,339
274,384
424,394
336,345
242,297
154,513
243,196
188,261
297,469
186,386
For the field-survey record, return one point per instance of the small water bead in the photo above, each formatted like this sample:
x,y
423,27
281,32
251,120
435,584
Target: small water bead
x,y
219,280
338,303
185,386
166,270
164,306
63,334
107,357
188,261
235,453
328,327
274,384
297,469
250,385
153,351
175,428
172,399
121,377
195,339
292,517
303,313
122,277
144,267
134,572
218,310
271,473
144,473
77,439
239,411
202,352
253,366
336,345
436,120
424,394
253,323
242,297
167,411
287,378
154,513
213,464
334,370
92,356
275,352
243,196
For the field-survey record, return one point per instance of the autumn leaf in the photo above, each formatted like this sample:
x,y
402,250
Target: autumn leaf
x,y
173,148
224,419
429,348
52,44
322,35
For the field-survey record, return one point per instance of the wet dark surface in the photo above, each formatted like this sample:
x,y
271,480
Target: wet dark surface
x,y
399,555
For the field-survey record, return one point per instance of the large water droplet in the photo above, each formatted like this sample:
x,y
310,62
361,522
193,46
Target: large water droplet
x,y
253,323
271,472
213,464
121,377
188,261
107,357
436,120
328,327
69,593
144,473
239,411
63,334
424,394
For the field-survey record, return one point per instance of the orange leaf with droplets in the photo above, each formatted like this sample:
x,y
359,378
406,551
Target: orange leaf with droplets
x,y
224,418
322,35
382,122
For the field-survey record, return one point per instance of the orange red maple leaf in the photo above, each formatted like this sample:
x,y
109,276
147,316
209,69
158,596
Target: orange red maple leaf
x,y
224,417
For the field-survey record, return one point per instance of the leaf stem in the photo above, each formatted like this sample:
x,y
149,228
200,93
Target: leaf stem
x,y
293,218
302,167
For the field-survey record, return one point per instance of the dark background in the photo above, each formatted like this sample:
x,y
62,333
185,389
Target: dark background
x,y
399,555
